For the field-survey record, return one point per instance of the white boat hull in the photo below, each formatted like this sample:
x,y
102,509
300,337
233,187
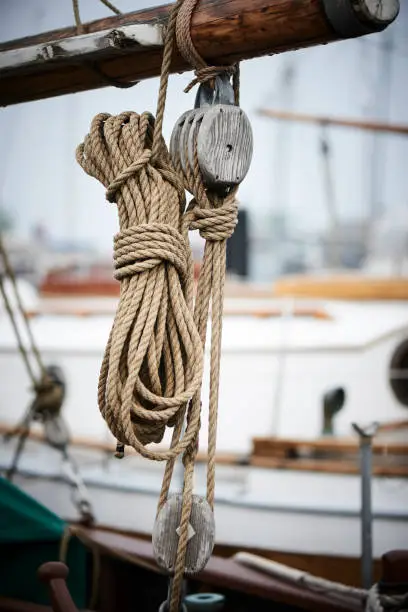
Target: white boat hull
x,y
255,508
274,371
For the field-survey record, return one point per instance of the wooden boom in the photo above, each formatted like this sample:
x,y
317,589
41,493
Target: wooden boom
x,y
128,48
372,126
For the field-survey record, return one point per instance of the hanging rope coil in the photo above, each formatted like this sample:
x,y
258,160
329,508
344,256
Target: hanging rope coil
x,y
154,359
151,373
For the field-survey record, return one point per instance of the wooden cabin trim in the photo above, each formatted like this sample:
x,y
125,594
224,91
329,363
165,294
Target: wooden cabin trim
x,y
342,287
261,446
329,455
277,453
327,466
268,445
258,313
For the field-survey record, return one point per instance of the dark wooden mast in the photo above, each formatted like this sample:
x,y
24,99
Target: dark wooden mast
x,y
127,48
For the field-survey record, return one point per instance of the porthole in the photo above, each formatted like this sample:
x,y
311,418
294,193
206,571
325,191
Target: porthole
x,y
398,373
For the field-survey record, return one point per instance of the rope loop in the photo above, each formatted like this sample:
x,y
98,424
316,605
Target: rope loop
x,y
151,373
216,224
203,72
143,247
208,74
129,172
154,357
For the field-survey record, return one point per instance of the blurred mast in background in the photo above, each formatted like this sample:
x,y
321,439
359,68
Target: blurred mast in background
x,y
381,110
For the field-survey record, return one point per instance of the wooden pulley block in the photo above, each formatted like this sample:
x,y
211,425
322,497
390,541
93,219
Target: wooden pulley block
x,y
224,146
192,135
175,138
205,98
201,534
184,136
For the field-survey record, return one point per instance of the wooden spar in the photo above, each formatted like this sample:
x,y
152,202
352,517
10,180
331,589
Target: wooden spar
x,y
372,126
127,48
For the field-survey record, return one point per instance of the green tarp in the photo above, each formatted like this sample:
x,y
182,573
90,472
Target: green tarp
x,y
31,535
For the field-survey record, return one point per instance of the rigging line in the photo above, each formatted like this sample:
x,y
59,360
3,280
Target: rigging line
x,y
93,66
10,273
13,321
77,17
111,7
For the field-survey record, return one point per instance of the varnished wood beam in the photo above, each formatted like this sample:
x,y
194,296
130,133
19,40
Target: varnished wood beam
x,y
269,447
127,48
371,126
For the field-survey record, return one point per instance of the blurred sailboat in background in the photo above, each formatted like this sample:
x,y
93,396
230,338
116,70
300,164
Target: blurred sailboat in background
x,y
303,357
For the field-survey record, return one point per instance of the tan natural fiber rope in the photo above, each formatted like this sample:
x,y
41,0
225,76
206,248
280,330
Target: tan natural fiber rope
x,y
151,373
79,25
77,17
203,71
110,6
153,361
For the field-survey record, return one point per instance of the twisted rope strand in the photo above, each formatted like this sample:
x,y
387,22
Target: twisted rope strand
x,y
153,330
203,72
151,373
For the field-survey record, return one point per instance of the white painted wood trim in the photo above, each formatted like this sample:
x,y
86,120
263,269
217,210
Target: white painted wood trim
x,y
83,46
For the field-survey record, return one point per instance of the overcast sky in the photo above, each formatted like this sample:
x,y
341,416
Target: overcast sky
x,y
40,181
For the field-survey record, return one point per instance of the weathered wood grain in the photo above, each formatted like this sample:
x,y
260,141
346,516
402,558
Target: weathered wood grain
x,y
185,135
175,138
201,534
224,146
222,30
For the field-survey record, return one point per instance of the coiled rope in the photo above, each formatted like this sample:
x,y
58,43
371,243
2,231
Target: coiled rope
x,y
151,373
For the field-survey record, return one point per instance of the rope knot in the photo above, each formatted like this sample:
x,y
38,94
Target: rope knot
x,y
129,172
208,73
143,247
216,224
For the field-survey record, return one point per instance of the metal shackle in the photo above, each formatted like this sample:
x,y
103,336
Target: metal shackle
x,y
221,93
